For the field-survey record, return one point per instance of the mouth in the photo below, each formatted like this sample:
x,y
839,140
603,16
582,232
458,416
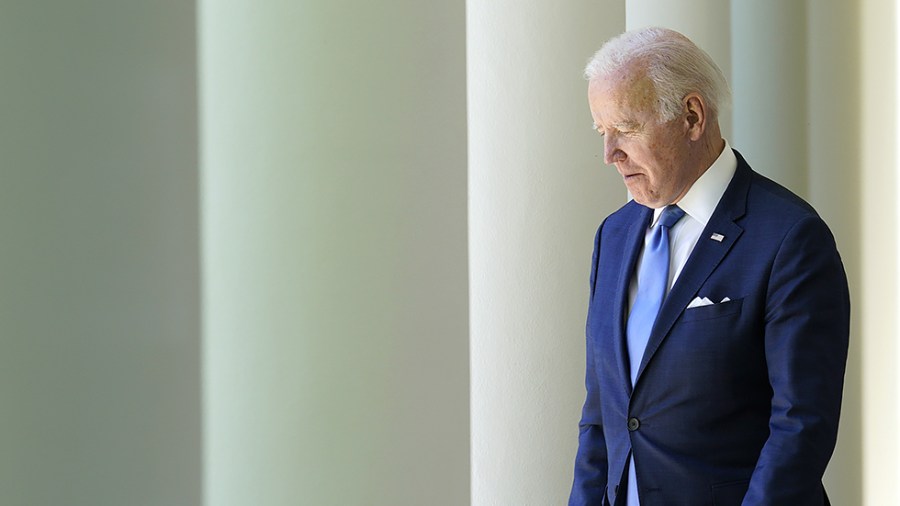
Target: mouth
x,y
627,173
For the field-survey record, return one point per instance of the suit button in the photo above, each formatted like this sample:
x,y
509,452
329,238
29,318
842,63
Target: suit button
x,y
634,424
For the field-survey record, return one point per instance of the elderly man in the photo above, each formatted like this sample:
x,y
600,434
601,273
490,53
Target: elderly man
x,y
718,319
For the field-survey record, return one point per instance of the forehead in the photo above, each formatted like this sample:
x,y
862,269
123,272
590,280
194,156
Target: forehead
x,y
622,93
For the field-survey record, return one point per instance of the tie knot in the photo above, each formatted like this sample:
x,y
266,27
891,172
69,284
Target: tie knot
x,y
670,216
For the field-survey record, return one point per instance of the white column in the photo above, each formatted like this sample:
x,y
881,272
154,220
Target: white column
x,y
706,22
768,78
537,191
334,250
880,231
99,255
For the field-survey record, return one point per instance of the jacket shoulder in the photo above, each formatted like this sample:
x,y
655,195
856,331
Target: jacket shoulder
x,y
771,202
625,215
778,199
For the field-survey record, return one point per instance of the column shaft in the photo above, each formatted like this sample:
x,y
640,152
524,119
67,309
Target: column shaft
x,y
335,279
769,66
880,232
99,256
538,189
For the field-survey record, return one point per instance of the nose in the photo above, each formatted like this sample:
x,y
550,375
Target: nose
x,y
611,151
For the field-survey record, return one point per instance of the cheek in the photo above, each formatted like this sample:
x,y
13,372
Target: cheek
x,y
659,155
646,155
659,147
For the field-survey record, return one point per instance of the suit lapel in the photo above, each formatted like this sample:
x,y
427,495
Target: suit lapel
x,y
633,242
707,255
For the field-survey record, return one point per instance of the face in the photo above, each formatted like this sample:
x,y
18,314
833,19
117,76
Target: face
x,y
652,156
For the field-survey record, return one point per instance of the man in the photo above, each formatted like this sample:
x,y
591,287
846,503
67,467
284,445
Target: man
x,y
718,320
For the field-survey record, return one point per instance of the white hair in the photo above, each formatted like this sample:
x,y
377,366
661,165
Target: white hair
x,y
674,64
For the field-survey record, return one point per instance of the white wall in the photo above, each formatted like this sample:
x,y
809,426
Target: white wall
x,y
99,255
335,274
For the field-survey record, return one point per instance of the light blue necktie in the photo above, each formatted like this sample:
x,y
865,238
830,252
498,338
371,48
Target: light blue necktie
x,y
653,280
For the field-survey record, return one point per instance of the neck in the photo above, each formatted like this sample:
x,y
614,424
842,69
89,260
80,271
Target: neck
x,y
708,148
704,152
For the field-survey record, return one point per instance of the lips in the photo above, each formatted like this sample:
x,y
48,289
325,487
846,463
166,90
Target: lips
x,y
624,172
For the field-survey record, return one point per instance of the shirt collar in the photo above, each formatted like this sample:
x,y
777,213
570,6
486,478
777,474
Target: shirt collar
x,y
703,196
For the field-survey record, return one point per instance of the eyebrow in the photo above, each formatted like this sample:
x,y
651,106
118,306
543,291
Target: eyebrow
x,y
627,125
622,125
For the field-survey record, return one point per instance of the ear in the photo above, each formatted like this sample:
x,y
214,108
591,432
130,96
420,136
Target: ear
x,y
695,116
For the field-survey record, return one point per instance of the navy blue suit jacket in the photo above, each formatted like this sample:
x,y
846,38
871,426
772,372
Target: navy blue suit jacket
x,y
735,403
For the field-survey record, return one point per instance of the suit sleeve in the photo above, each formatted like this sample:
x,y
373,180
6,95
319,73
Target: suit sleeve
x,y
589,486
807,329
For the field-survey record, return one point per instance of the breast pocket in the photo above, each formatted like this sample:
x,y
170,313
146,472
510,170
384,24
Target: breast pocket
x,y
713,310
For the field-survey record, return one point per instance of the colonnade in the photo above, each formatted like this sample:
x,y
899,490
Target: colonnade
x,y
337,253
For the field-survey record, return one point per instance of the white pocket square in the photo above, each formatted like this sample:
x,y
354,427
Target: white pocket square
x,y
703,301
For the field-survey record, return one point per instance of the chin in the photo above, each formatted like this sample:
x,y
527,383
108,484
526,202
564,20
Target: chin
x,y
652,204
